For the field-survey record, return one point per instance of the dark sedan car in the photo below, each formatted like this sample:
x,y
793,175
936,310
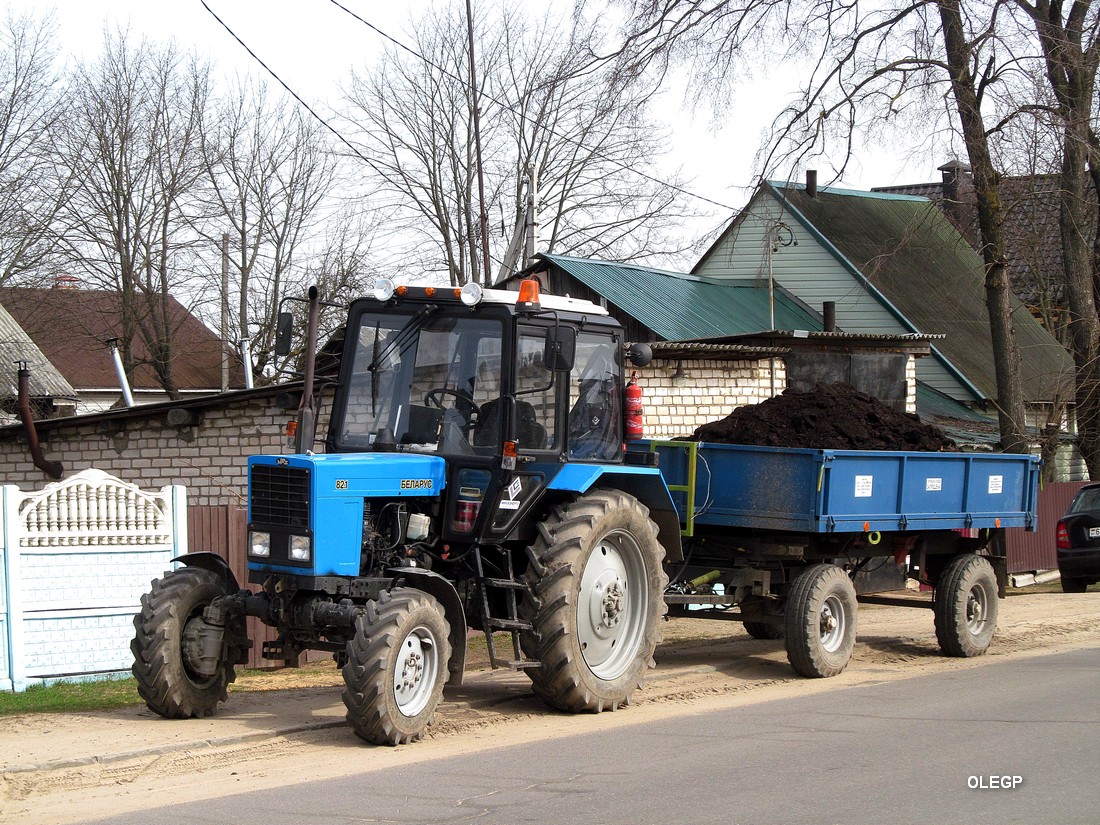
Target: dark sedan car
x,y
1078,541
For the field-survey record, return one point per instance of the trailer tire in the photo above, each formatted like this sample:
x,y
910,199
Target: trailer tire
x,y
820,621
965,604
598,581
168,683
764,630
396,667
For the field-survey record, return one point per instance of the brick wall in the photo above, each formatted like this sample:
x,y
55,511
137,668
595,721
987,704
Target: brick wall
x,y
678,396
140,446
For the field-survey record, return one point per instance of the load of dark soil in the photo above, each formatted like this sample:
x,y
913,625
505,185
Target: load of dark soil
x,y
827,417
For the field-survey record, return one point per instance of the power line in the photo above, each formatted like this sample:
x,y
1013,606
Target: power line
x,y
509,107
292,93
442,70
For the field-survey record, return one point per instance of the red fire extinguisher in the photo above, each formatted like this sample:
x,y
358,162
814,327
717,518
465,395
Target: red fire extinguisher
x,y
635,423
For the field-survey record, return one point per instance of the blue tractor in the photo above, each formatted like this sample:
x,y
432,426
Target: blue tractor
x,y
473,474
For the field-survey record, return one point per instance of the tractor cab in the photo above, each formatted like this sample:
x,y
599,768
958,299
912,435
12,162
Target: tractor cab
x,y
505,389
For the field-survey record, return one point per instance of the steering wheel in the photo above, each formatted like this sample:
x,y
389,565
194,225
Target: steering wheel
x,y
463,403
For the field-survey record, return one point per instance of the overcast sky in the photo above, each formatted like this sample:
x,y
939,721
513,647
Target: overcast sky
x,y
312,44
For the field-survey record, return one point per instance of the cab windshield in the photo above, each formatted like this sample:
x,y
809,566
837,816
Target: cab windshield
x,y
428,379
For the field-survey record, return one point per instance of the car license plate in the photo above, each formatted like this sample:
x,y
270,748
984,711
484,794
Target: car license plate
x,y
1094,532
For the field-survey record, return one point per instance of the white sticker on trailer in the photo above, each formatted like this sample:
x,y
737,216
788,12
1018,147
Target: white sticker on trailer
x,y
933,485
863,486
996,484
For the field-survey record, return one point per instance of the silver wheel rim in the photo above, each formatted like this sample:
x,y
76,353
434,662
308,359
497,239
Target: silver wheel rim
x,y
831,623
612,605
976,607
415,671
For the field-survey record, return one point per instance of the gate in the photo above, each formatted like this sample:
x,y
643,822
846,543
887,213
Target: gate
x,y
75,559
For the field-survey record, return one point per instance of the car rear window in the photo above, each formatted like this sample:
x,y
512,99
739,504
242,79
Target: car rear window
x,y
1086,500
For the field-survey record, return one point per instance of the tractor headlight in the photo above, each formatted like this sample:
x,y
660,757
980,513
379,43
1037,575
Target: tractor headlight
x,y
384,289
259,544
299,548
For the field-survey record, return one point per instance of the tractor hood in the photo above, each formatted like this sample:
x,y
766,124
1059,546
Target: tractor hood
x,y
364,475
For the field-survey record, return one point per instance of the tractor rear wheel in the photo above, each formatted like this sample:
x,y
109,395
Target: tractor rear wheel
x,y
396,667
599,585
169,676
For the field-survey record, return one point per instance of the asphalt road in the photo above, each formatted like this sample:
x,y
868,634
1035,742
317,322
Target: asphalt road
x,y
931,749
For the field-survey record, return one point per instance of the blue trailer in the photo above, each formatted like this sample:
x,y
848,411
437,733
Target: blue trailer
x,y
793,538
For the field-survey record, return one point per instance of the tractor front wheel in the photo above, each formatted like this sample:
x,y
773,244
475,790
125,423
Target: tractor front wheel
x,y
172,677
396,667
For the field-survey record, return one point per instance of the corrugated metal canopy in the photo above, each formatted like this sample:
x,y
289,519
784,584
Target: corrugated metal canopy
x,y
680,307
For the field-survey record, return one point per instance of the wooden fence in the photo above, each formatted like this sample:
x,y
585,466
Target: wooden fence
x,y
223,530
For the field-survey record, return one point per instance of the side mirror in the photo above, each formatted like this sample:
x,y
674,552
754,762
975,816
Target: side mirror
x,y
284,333
639,354
561,349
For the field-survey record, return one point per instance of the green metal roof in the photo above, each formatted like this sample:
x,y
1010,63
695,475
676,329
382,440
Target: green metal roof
x,y
912,259
680,307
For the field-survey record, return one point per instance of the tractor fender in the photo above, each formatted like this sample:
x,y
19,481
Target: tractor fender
x,y
644,483
215,564
436,585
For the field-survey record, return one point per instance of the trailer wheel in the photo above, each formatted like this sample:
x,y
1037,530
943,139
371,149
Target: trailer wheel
x,y
600,602
966,606
820,621
764,630
167,673
759,608
396,667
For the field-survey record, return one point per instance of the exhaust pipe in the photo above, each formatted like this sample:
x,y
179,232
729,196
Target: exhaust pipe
x,y
54,469
120,370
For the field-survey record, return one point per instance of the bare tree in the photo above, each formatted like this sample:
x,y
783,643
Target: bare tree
x,y
871,70
270,172
33,186
132,142
586,134
1069,36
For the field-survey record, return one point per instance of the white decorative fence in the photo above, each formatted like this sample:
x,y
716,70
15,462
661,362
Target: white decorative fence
x,y
75,558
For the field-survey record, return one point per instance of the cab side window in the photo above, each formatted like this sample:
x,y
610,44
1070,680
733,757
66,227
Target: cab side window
x,y
535,398
595,399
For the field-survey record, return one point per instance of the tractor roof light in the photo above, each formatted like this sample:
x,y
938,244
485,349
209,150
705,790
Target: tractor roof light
x,y
471,294
384,289
528,296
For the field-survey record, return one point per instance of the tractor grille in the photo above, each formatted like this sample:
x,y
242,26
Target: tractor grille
x,y
280,496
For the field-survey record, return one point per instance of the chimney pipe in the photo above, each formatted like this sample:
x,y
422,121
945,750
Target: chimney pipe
x,y
828,312
120,370
246,356
811,182
53,469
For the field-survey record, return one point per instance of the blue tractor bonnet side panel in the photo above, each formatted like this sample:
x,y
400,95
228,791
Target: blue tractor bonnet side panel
x,y
338,483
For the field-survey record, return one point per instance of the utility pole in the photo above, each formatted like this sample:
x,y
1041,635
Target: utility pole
x,y
482,214
532,228
225,311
